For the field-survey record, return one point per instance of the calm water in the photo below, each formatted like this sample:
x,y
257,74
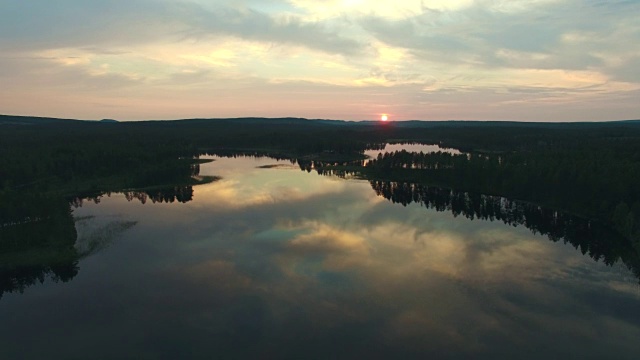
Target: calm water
x,y
274,262
410,148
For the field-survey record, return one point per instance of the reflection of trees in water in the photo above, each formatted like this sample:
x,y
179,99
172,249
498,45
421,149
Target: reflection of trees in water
x,y
558,178
44,248
591,238
181,194
161,194
38,238
47,247
170,194
238,153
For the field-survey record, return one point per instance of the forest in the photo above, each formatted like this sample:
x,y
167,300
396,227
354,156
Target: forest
x,y
598,241
595,184
587,171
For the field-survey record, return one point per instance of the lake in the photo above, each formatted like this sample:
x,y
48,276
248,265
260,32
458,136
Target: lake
x,y
274,262
410,148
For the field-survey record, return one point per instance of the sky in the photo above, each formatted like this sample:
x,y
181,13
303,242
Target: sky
x,y
537,60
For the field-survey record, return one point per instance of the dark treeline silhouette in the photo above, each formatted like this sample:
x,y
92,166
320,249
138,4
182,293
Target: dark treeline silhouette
x,y
590,237
553,164
590,169
576,181
43,248
54,153
182,194
77,156
38,236
163,181
37,229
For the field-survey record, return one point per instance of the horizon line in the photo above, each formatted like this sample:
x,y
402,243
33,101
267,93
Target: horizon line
x,y
320,119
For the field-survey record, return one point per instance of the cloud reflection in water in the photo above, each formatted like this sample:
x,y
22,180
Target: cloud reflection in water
x,y
282,263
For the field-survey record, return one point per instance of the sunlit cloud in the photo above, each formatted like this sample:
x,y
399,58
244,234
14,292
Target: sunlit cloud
x,y
427,57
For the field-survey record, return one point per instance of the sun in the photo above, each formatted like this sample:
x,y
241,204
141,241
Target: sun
x,y
384,117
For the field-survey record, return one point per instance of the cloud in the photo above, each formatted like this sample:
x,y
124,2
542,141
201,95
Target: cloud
x,y
542,35
466,59
62,73
74,23
628,70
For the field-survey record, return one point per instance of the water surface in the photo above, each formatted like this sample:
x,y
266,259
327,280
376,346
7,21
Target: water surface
x,y
274,262
411,148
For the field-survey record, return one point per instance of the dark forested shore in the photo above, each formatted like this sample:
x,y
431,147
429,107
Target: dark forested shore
x,y
588,169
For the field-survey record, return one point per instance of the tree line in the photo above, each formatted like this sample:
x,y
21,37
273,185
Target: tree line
x,y
587,169
594,184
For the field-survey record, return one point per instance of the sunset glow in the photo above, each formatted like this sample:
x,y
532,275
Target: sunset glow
x,y
384,117
153,59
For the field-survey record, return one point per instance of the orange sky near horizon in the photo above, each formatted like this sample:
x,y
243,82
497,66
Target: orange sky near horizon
x,y
544,60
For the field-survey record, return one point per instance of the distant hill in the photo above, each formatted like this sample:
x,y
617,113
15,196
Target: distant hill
x,y
33,120
503,124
